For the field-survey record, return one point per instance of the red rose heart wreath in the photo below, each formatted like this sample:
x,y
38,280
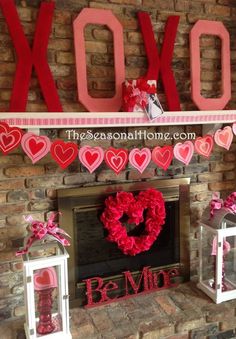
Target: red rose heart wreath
x,y
134,207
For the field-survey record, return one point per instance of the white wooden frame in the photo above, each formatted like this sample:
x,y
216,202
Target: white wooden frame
x,y
59,261
216,294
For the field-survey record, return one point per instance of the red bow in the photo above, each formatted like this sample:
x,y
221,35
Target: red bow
x,y
41,229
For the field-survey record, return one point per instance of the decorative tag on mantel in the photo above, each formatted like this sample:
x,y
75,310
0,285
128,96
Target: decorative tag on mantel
x,y
140,96
148,281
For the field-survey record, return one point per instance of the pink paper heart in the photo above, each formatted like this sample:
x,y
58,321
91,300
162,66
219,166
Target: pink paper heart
x,y
140,159
45,278
204,145
224,137
234,128
91,157
36,147
184,151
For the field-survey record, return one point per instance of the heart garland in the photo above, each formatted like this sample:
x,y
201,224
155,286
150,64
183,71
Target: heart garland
x,y
64,153
91,157
10,137
140,159
36,147
116,159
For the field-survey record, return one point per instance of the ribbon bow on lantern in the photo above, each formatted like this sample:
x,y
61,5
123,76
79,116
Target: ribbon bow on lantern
x,y
40,229
217,204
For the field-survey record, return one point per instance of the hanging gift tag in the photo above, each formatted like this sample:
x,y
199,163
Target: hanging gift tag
x,y
154,108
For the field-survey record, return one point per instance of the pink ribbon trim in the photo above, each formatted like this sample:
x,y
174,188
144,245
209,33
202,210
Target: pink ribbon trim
x,y
41,229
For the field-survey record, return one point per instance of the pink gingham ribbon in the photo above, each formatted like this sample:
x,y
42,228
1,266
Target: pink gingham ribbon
x,y
230,202
40,229
217,204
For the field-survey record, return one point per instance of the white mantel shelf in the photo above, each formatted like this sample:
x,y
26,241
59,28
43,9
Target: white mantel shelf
x,y
44,120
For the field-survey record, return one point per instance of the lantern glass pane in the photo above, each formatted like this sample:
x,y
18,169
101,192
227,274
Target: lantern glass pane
x,y
47,300
229,263
208,258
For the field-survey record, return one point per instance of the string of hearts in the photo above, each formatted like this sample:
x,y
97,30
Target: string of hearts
x,y
64,153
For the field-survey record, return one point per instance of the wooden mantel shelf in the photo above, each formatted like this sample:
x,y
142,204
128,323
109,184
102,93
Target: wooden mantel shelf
x,y
40,120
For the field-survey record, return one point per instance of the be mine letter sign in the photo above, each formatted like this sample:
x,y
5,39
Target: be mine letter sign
x,y
159,63
147,282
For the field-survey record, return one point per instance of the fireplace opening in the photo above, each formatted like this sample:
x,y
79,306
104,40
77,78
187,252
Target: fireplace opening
x,y
91,255
98,257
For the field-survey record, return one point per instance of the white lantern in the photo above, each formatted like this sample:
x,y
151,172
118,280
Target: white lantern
x,y
46,291
217,252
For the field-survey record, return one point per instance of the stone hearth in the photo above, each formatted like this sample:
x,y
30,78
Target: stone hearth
x,y
179,313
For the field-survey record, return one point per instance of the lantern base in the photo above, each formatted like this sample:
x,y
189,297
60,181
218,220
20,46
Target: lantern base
x,y
31,334
216,295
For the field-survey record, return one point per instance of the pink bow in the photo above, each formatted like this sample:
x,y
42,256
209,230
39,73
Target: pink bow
x,y
229,202
41,229
217,204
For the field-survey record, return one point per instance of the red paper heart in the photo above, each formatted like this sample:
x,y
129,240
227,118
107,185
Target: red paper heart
x,y
140,158
64,153
45,278
204,145
116,159
10,137
162,156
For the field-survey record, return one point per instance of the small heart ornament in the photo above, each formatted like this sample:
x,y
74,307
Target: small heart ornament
x,y
10,137
140,159
162,156
224,137
116,159
64,153
45,278
36,147
91,157
184,151
204,145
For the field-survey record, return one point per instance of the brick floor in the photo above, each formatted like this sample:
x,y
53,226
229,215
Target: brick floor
x,y
179,313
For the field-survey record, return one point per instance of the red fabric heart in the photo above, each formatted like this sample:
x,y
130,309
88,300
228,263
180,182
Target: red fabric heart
x,y
204,145
162,156
116,159
45,278
10,137
64,153
147,206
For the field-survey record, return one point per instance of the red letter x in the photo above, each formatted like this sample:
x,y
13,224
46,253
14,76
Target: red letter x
x,y
161,63
27,58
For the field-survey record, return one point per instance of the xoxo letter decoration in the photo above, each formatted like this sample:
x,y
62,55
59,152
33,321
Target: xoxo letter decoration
x,y
158,62
147,282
